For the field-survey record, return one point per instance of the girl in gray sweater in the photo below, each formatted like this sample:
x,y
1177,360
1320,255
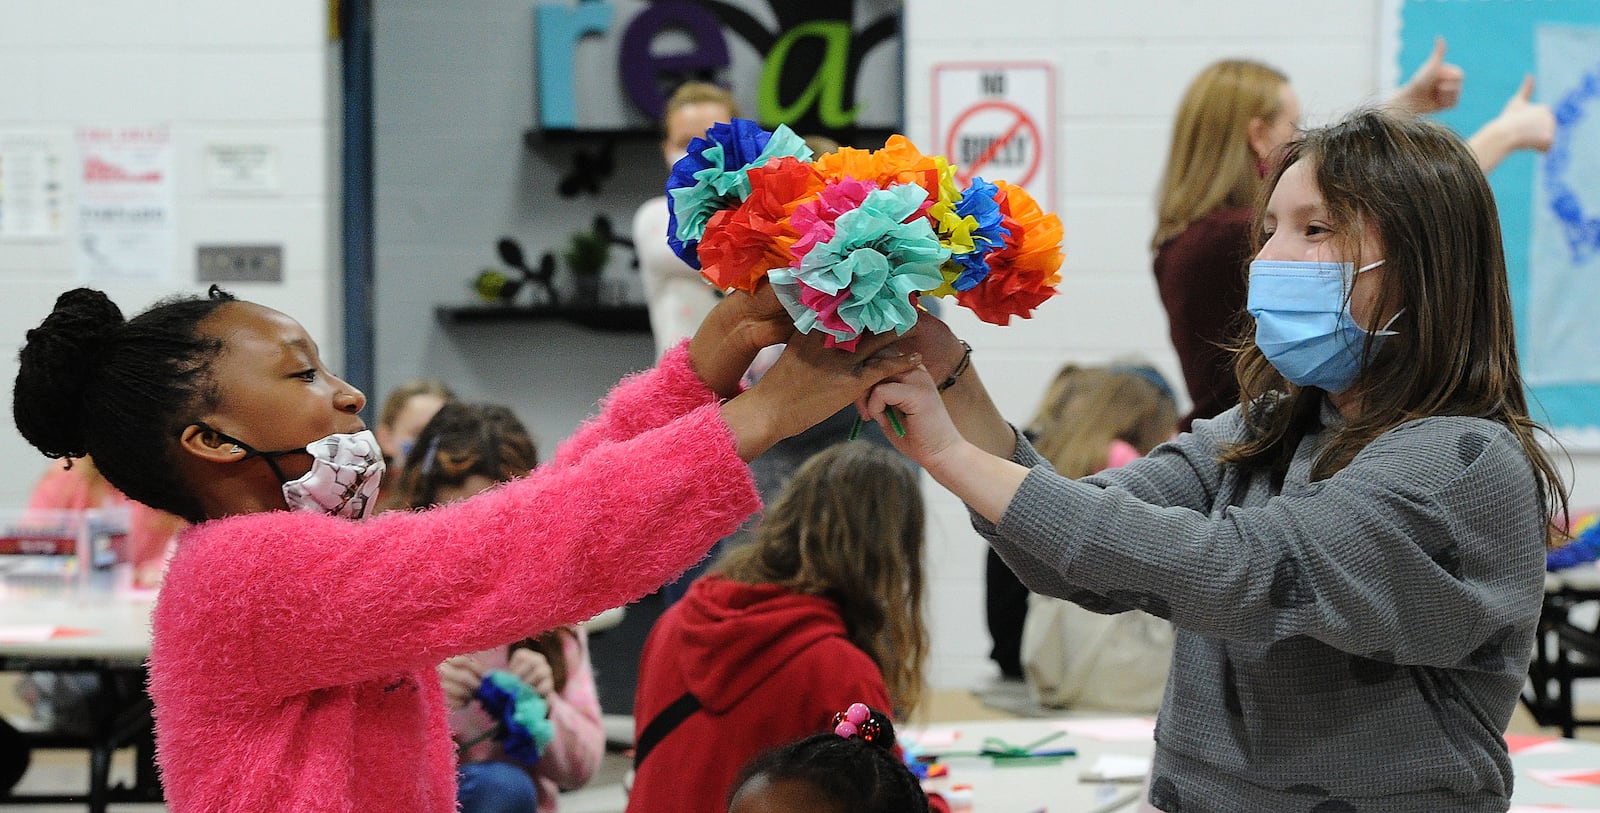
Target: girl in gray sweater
x,y
1354,555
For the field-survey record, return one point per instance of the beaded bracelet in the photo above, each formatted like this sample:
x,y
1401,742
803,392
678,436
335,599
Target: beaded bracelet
x,y
961,366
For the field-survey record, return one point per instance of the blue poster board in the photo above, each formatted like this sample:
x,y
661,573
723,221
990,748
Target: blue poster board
x,y
1496,43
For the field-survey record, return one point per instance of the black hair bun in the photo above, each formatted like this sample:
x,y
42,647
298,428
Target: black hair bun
x,y
60,359
862,722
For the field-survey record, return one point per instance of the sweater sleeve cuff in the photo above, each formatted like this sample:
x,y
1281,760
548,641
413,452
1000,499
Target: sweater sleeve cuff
x,y
1024,455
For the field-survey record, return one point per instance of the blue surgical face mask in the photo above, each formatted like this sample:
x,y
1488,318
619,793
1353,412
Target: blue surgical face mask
x,y
1303,321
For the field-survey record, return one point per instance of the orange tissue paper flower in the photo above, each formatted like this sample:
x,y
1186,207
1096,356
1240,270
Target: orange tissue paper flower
x,y
898,162
742,244
1023,272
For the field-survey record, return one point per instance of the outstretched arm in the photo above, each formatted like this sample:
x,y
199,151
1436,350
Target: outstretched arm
x,y
693,374
1521,125
967,401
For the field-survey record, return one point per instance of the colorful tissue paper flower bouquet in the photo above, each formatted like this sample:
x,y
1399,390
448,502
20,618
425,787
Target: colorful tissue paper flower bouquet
x,y
521,717
849,240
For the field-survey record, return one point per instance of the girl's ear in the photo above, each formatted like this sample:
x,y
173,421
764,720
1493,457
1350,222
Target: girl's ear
x,y
1257,133
208,445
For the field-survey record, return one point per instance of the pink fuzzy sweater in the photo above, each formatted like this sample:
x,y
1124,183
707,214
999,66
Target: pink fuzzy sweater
x,y
293,659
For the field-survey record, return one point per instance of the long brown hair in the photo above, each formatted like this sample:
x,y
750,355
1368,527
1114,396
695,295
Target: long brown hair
x,y
1210,164
1086,408
849,528
463,440
1421,190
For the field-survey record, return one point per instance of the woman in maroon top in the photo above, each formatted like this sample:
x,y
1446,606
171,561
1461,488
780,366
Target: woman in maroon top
x,y
1234,116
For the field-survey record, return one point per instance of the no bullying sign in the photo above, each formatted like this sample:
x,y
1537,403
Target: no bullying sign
x,y
996,120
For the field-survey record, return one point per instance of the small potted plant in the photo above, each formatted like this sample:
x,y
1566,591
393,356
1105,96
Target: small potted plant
x,y
586,258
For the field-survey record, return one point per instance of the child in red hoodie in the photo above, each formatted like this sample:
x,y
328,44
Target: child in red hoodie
x,y
822,610
293,654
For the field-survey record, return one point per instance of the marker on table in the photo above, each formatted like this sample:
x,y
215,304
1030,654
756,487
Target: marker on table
x,y
1058,752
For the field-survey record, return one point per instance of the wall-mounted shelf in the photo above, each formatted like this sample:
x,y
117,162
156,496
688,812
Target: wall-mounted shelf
x,y
624,318
534,137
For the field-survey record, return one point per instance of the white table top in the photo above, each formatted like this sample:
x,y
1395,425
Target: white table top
x,y
1025,788
1539,761
111,626
65,623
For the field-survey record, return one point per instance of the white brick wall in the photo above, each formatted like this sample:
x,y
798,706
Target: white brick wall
x,y
231,72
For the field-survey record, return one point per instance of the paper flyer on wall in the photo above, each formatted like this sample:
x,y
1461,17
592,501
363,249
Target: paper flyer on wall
x,y
125,205
32,192
1564,267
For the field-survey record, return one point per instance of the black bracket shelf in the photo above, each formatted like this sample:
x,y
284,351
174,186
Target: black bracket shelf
x,y
616,319
533,138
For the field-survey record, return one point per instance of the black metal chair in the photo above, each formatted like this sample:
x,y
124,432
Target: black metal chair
x,y
1564,652
123,720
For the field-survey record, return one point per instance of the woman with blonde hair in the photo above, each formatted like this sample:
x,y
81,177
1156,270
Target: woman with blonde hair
x,y
823,609
1233,117
408,408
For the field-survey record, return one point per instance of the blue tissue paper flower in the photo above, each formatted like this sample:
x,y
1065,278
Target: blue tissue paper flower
x,y
978,202
715,176
521,714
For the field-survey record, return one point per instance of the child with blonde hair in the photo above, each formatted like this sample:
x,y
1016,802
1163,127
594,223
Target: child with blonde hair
x,y
1093,419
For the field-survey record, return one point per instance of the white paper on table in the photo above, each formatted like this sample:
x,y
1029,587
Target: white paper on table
x,y
1116,768
1111,729
935,737
1550,809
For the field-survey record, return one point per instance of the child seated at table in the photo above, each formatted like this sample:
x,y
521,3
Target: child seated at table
x,y
463,450
821,610
851,769
1093,419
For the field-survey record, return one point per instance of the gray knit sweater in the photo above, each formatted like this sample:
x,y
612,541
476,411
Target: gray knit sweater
x,y
1354,644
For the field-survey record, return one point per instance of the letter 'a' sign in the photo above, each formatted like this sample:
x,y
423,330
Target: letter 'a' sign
x,y
819,66
996,120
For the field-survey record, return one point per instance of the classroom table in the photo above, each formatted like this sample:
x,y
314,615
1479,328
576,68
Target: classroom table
x,y
1028,785
1552,774
66,626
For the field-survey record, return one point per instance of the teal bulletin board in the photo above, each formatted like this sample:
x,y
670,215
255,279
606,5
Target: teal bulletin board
x,y
1549,204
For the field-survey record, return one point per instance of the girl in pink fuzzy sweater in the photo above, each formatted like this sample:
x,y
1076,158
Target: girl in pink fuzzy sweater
x,y
293,656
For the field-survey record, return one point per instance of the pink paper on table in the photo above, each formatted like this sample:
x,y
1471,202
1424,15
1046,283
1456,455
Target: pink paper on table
x,y
1536,744
1110,729
1567,778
